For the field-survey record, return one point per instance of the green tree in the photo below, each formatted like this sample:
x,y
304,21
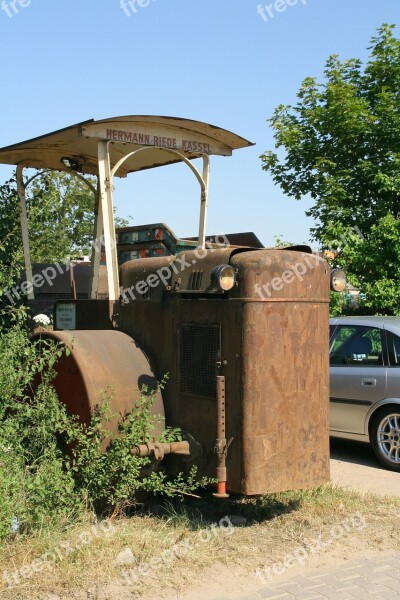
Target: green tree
x,y
341,144
60,211
10,239
61,214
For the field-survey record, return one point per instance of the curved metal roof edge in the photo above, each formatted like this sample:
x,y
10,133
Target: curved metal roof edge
x,y
134,118
40,137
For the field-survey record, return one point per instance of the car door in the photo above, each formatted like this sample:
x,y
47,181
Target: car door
x,y
358,375
393,379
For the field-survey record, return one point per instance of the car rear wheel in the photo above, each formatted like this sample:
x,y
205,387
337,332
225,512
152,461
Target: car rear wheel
x,y
385,437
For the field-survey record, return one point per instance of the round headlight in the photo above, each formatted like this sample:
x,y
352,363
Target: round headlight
x,y
338,280
224,277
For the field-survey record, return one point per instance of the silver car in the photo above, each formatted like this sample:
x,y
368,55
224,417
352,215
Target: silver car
x,y
365,384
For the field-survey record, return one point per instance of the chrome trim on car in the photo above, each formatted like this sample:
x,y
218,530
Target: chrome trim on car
x,y
350,401
356,437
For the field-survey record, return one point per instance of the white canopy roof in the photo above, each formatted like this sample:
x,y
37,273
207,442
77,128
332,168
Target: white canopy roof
x,y
77,146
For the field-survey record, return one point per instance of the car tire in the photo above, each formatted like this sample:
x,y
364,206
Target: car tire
x,y
385,436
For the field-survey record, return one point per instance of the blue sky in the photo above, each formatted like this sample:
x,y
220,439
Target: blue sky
x,y
217,61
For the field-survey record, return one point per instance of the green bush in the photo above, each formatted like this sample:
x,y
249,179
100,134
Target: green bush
x,y
113,477
52,467
35,486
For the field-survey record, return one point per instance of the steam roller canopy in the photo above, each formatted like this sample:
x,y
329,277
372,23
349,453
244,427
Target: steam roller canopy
x,y
102,365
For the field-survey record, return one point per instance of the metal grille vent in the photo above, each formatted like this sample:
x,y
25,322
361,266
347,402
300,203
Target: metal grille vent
x,y
134,294
195,280
199,351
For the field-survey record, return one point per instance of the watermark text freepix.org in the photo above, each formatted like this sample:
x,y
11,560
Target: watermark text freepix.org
x,y
269,11
309,547
288,276
48,559
47,275
177,265
178,551
11,7
130,7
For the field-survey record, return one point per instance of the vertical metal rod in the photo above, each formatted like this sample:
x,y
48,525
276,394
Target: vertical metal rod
x,y
204,203
24,230
105,179
221,407
221,446
96,246
72,279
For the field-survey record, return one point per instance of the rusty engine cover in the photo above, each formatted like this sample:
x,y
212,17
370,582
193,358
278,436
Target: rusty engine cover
x,y
268,336
102,365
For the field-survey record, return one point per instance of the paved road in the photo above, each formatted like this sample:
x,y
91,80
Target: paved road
x,y
376,577
354,465
366,579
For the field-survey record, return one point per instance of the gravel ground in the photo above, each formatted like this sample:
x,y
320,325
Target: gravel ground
x,y
354,465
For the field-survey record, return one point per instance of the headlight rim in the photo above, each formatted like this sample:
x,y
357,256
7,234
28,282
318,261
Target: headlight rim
x,y
340,274
217,274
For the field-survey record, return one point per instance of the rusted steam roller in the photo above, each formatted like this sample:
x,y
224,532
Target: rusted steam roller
x,y
103,364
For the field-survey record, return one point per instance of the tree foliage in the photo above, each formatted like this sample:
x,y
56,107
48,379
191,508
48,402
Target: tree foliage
x,y
341,144
60,211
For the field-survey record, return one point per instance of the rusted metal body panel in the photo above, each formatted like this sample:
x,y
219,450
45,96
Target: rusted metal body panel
x,y
271,346
102,364
195,413
285,369
285,396
278,275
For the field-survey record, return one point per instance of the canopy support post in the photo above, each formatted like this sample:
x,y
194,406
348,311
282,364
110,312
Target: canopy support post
x,y
106,205
204,203
96,245
24,230
202,179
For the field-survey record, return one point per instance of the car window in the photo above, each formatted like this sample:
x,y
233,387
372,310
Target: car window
x,y
356,345
393,342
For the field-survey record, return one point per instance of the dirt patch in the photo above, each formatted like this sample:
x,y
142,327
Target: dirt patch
x,y
354,465
204,548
